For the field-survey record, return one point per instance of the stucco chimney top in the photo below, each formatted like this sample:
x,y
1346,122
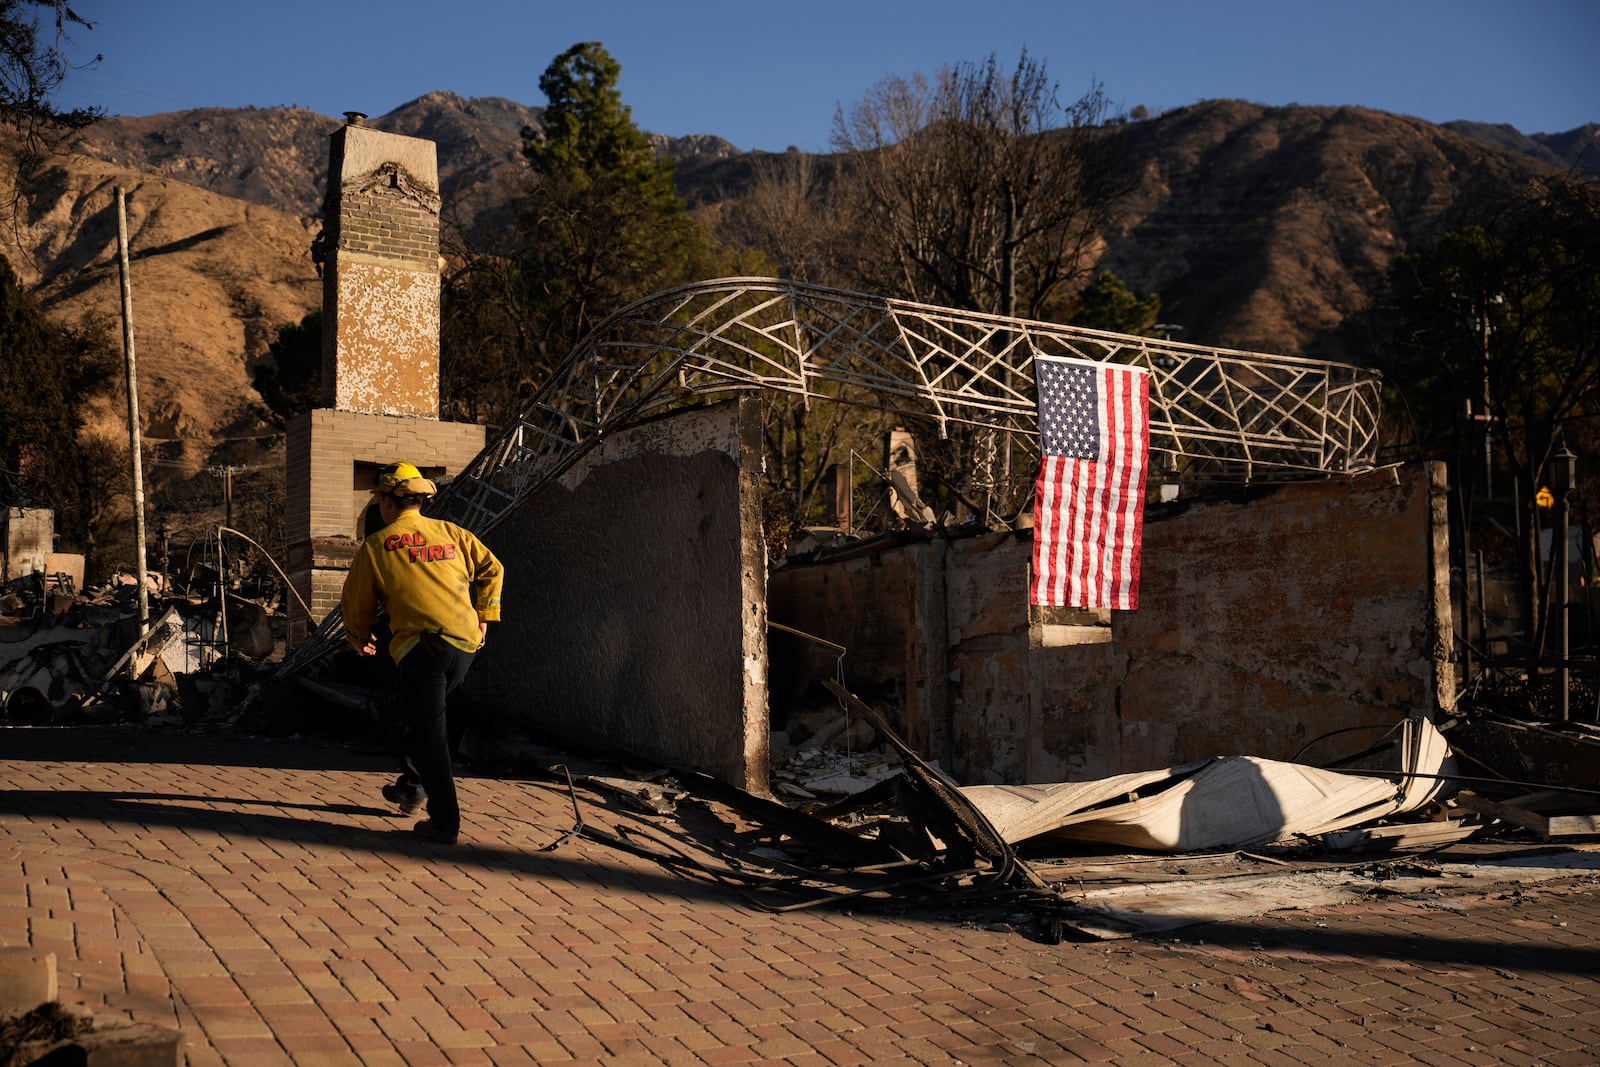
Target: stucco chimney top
x,y
355,118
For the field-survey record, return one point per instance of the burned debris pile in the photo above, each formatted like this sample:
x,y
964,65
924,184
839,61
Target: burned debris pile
x,y
69,656
903,837
911,841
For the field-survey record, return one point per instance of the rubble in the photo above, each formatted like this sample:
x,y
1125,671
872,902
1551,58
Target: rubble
x,y
855,818
69,656
1549,814
915,840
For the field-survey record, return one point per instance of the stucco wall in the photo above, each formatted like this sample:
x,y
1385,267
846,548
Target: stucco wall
x,y
386,329
29,538
1263,624
635,598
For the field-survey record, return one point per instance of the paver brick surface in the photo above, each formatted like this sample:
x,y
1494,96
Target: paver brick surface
x,y
258,895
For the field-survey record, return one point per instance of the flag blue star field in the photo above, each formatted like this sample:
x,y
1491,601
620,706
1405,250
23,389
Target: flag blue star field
x,y
1088,504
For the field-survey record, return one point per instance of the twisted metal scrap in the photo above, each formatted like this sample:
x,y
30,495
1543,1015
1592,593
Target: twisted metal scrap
x,y
1211,409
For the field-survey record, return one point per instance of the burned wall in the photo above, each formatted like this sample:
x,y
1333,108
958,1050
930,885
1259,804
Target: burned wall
x,y
635,610
29,538
1264,624
883,602
1279,619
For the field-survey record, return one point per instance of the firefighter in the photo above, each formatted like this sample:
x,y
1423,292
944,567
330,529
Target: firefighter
x,y
439,586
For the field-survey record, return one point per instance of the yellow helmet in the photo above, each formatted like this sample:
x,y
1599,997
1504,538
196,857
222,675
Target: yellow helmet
x,y
402,479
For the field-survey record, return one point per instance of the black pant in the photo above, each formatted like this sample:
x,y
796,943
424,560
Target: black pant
x,y
427,675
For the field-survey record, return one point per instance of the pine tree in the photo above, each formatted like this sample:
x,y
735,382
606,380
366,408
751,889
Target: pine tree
x,y
601,225
604,223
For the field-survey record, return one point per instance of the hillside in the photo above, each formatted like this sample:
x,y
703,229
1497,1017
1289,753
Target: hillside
x,y
1269,229
1260,228
212,278
1575,150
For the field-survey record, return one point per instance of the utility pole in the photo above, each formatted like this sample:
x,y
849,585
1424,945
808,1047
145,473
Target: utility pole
x,y
1564,470
133,413
225,472
1487,415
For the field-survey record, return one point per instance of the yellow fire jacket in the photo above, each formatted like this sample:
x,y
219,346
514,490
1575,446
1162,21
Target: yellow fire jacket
x,y
430,576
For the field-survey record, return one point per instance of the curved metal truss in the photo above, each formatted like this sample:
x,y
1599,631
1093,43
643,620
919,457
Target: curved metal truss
x,y
1239,414
1214,410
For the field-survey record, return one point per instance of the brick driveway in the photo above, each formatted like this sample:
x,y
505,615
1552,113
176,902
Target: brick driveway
x,y
256,895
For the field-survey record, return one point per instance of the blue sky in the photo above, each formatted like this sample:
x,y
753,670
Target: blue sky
x,y
766,75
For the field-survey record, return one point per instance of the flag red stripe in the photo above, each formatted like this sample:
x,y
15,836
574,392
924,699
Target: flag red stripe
x,y
1094,586
1134,470
1048,542
1119,448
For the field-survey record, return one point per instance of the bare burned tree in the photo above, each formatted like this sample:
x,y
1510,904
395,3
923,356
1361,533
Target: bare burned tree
x,y
977,189
491,359
785,215
32,67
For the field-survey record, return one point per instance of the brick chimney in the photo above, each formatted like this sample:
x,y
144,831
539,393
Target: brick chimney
x,y
380,274
379,258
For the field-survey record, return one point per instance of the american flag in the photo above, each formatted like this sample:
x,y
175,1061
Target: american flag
x,y
1088,505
